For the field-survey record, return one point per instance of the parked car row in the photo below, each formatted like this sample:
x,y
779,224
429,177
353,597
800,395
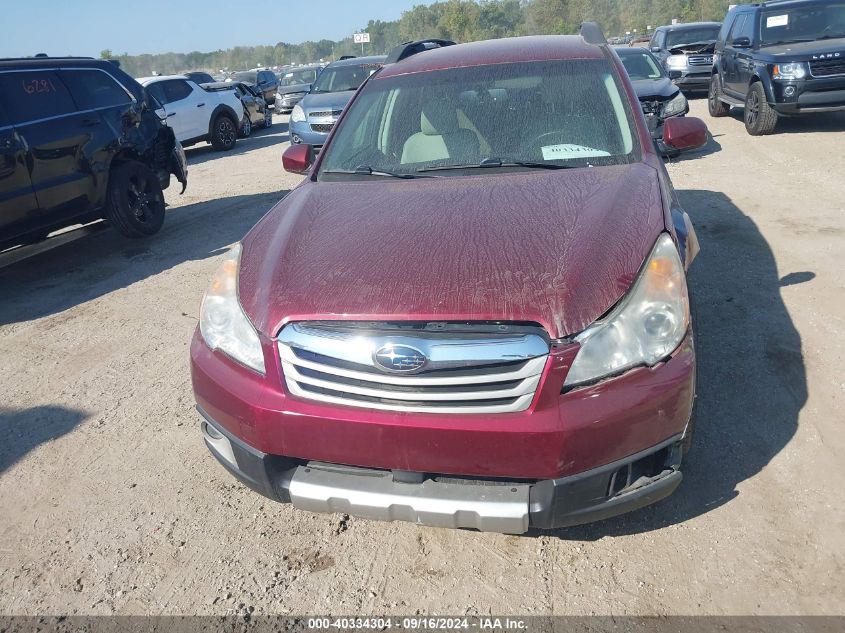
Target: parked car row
x,y
506,276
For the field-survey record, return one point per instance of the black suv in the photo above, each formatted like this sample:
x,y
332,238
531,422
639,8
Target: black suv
x,y
80,140
264,81
780,58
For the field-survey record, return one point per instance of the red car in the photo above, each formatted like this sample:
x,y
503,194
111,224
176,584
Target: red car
x,y
473,311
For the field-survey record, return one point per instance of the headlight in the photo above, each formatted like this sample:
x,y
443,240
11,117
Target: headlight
x,y
677,105
644,328
297,115
790,71
223,324
677,61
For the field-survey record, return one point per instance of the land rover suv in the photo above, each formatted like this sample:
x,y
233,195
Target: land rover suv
x,y
80,140
468,314
780,59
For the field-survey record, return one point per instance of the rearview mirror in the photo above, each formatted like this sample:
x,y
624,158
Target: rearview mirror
x,y
298,159
741,42
684,133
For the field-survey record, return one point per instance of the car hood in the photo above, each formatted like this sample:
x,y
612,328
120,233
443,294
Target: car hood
x,y
286,90
803,51
555,248
696,48
651,89
330,100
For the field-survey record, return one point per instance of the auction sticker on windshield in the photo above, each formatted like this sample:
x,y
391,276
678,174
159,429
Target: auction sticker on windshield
x,y
567,151
777,20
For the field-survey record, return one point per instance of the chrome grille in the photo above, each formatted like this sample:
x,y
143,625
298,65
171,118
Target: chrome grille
x,y
700,60
322,128
325,114
827,67
464,372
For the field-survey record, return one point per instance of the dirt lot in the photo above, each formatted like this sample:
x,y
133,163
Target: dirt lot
x,y
111,503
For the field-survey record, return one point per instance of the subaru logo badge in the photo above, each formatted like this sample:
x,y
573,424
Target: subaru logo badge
x,y
404,358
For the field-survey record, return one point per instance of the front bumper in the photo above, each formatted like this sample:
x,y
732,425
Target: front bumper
x,y
453,502
809,95
697,79
301,132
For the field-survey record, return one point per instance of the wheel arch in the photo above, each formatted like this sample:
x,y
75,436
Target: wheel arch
x,y
222,110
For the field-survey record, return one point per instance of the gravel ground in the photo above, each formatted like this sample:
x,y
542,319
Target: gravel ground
x,y
112,505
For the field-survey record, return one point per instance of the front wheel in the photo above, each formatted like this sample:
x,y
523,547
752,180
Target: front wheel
x,y
760,117
246,127
715,105
135,203
224,133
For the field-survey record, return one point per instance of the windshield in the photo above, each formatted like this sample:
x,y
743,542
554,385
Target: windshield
x,y
641,65
247,77
692,36
802,24
521,115
342,78
298,77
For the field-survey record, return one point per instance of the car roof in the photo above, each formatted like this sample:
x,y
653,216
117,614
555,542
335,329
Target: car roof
x,y
54,62
533,48
689,25
358,61
151,80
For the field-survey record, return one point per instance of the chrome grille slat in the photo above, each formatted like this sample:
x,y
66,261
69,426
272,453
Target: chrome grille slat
x,y
463,374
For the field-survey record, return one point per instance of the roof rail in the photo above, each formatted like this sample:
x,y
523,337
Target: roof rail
x,y
412,48
592,34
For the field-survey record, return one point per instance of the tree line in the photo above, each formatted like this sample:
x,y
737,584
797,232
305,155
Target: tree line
x,y
458,20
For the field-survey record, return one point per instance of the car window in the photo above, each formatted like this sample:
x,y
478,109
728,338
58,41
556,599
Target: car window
x,y
802,23
34,95
567,112
738,27
174,90
248,76
344,78
641,65
298,77
683,37
94,89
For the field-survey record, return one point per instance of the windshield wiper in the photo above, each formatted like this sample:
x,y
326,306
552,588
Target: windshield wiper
x,y
795,41
366,170
487,163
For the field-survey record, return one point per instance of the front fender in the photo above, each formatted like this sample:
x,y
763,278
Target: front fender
x,y
762,75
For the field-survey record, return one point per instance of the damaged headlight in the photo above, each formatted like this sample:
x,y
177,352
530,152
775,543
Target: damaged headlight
x,y
223,324
678,105
645,327
297,115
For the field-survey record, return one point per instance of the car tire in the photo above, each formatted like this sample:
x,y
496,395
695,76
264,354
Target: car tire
x,y
246,127
715,105
134,200
760,117
224,133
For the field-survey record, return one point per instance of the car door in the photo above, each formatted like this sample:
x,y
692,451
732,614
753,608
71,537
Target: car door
x,y
63,145
265,84
729,58
184,107
17,198
744,66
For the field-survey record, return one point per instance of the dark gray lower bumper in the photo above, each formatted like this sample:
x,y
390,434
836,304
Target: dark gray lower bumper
x,y
446,501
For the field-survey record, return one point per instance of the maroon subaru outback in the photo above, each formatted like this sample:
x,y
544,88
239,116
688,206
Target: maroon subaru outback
x,y
473,311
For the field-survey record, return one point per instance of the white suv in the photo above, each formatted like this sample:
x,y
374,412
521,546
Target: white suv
x,y
196,114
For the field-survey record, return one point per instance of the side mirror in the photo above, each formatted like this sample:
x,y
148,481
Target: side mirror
x,y
298,159
741,42
655,49
684,133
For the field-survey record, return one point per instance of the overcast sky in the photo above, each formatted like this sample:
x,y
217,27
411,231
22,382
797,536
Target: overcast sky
x,y
85,27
